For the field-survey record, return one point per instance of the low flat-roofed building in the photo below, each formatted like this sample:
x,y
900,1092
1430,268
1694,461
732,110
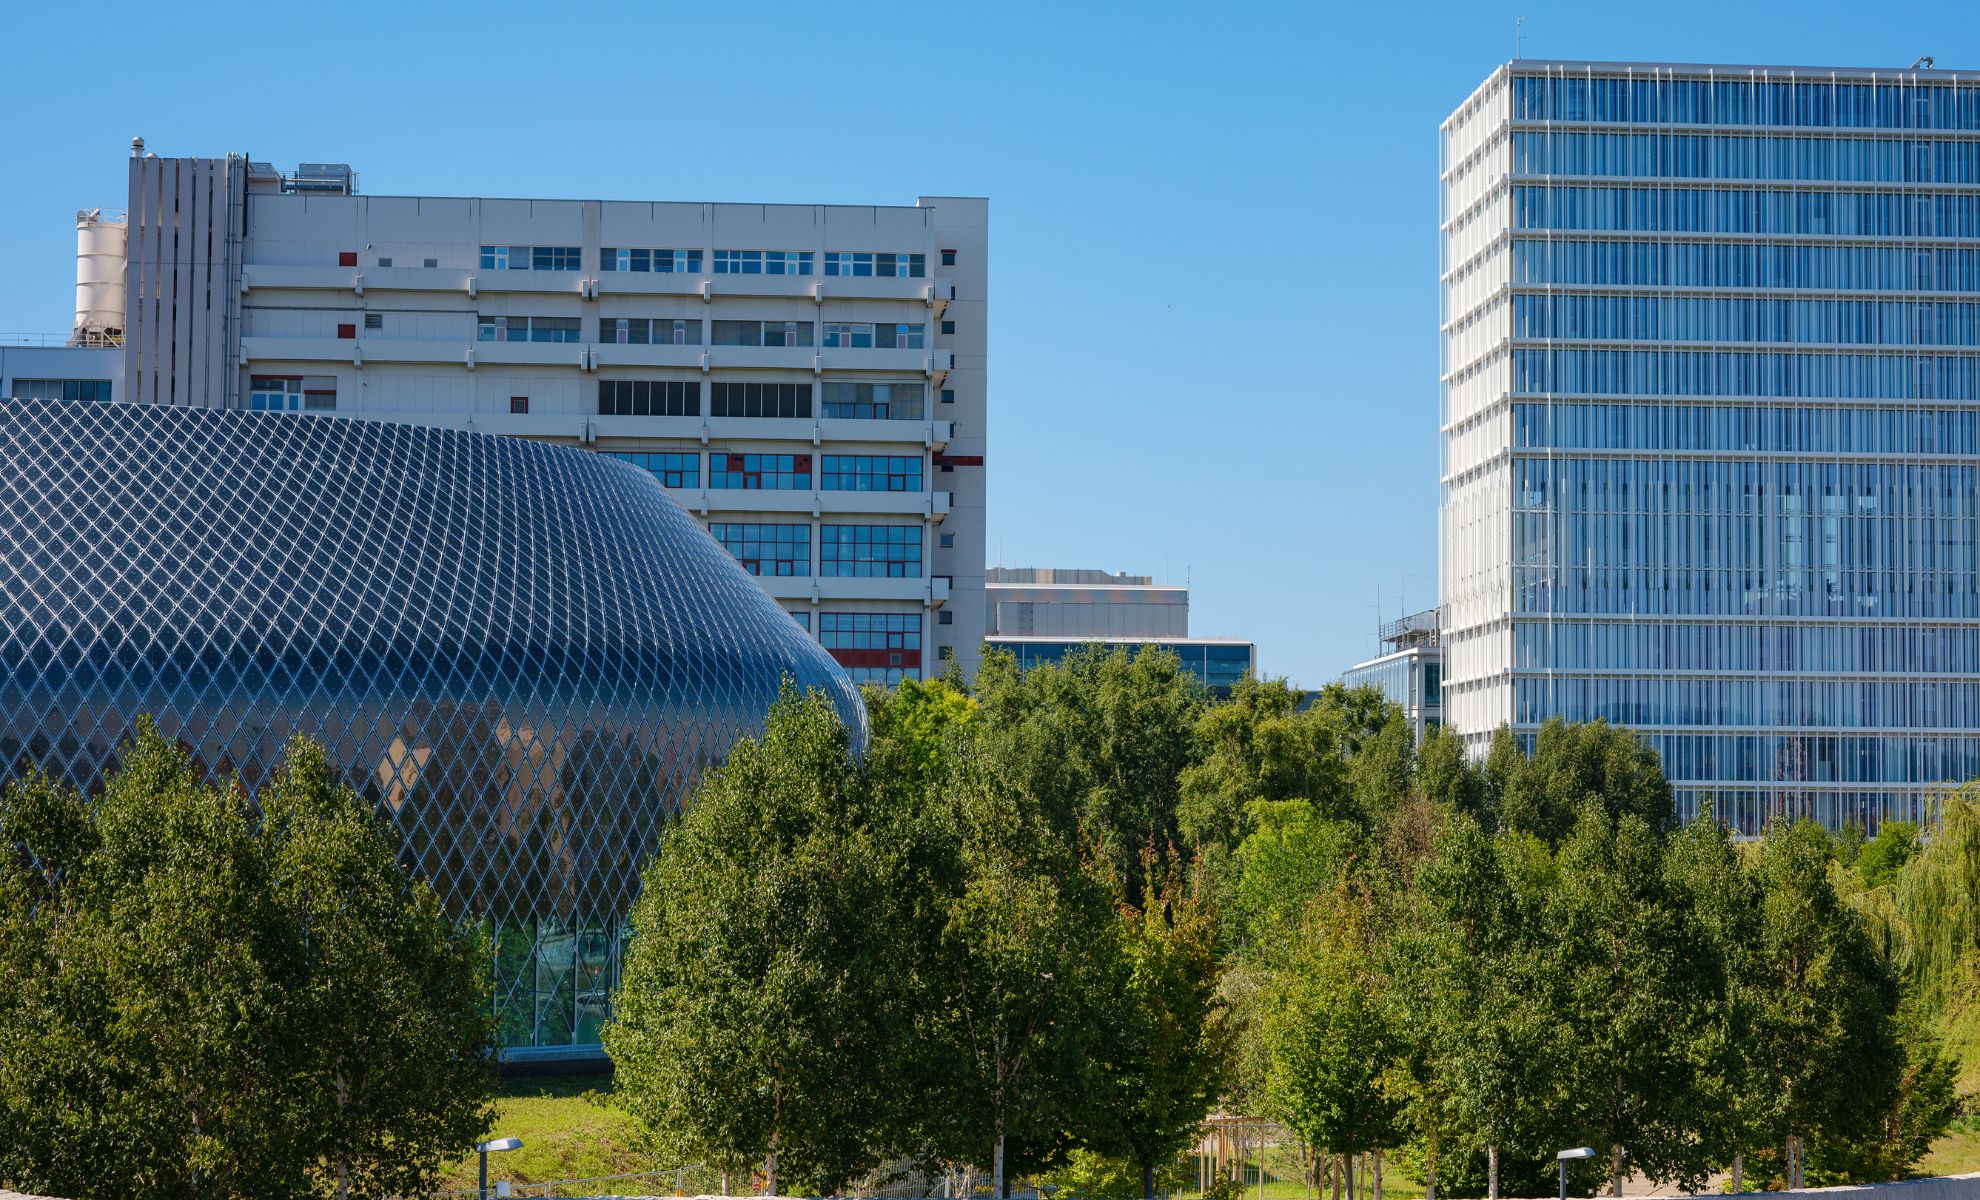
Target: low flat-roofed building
x,y
1042,614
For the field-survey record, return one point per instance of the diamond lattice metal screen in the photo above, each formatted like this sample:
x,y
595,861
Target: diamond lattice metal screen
x,y
524,654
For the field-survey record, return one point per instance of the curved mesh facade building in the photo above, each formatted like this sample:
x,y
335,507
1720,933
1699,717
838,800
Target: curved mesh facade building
x,y
524,654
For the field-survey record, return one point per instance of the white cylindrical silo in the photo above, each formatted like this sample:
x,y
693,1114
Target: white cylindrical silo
x,y
100,247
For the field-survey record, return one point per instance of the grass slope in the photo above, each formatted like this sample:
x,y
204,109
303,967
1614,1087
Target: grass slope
x,y
569,1129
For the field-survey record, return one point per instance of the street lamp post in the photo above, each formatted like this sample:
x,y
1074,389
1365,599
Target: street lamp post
x,y
484,1149
1567,1156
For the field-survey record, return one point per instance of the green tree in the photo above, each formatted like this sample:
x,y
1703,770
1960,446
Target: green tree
x,y
758,1015
1878,862
1628,990
203,993
1475,991
1162,1063
1022,983
1572,765
1730,1093
1099,741
1445,777
1335,1051
1937,897
1826,1033
1257,746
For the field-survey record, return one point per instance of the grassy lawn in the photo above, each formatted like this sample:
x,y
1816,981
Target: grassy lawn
x,y
569,1129
1957,1153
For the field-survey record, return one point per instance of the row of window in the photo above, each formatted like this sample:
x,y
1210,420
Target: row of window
x,y
667,261
1746,373
1642,646
292,393
1790,703
841,399
75,390
1737,265
685,331
844,551
1903,594
1680,487
1737,156
1746,428
1821,104
1746,319
1815,758
1745,210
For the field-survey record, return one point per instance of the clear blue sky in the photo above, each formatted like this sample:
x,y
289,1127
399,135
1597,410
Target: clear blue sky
x,y
1213,319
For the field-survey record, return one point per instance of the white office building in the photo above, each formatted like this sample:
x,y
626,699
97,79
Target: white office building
x,y
809,380
1711,424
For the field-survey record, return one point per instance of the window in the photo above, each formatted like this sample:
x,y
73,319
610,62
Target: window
x,y
760,400
945,617
948,258
92,390
431,262
803,619
861,335
292,393
660,262
650,331
870,551
948,395
766,549
672,469
529,329
374,320
888,266
948,327
947,541
847,400
530,258
384,262
759,472
649,398
873,647
762,333
763,262
870,473
346,330
347,258
518,405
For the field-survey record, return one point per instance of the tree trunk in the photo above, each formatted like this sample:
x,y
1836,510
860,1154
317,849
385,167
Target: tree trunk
x,y
1615,1169
1349,1160
997,1166
1739,1173
1430,1170
770,1168
1492,1172
1378,1175
1148,1181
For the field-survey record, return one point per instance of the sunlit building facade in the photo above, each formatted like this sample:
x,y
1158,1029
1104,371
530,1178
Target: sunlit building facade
x,y
1711,424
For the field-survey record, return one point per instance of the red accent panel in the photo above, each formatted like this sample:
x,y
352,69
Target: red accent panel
x,y
876,658
347,331
958,460
347,258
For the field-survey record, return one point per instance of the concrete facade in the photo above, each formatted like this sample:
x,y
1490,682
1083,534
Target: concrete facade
x,y
810,381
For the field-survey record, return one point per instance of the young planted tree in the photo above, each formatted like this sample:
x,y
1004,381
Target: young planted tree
x,y
1024,969
1163,1063
1335,1052
1825,1034
216,999
760,1013
1479,1011
1630,999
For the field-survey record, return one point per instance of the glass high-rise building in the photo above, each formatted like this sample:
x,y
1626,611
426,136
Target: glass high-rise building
x,y
1711,424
